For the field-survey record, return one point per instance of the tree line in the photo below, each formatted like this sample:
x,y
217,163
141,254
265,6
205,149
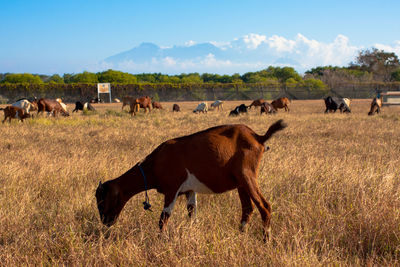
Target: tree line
x,y
369,66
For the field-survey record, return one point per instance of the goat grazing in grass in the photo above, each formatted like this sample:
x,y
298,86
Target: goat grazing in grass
x,y
376,106
282,102
26,105
176,108
267,108
212,161
218,104
239,110
11,112
202,107
257,103
51,106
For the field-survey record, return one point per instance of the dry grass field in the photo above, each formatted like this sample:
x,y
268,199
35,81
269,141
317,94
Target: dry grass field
x,y
333,181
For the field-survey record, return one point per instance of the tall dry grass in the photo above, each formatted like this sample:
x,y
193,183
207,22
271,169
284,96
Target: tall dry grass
x,y
332,179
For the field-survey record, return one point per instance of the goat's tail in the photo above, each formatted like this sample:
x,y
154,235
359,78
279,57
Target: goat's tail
x,y
276,127
2,108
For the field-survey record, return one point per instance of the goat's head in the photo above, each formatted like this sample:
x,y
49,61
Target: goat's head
x,y
109,203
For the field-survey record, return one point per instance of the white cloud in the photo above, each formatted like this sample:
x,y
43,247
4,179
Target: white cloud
x,y
190,43
281,44
388,48
254,52
253,40
169,61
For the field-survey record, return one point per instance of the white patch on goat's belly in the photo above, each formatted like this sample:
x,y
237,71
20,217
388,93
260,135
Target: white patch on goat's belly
x,y
85,106
193,184
190,184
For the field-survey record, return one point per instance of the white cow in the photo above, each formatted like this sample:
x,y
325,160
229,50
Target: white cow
x,y
202,107
26,105
218,104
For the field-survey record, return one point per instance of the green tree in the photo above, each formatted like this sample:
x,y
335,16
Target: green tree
x,y
22,78
146,78
113,76
236,78
2,76
382,64
315,85
395,76
291,82
55,79
191,78
67,77
285,73
84,77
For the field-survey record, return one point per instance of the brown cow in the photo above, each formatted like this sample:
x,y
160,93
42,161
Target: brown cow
x,y
156,105
376,106
282,102
51,106
257,103
12,112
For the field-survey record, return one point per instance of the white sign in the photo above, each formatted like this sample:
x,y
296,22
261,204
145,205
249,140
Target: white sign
x,y
103,88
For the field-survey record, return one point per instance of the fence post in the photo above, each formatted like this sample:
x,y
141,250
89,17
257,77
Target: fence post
x,y
237,92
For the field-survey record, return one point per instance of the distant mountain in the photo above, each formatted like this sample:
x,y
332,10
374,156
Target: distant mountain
x,y
148,51
248,53
142,53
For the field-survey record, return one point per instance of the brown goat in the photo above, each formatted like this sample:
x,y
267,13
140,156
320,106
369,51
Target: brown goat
x,y
156,105
51,106
257,103
267,108
376,106
176,108
212,161
142,102
282,102
12,112
134,107
126,101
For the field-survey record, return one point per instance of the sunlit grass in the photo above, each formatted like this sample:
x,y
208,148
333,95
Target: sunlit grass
x,y
332,179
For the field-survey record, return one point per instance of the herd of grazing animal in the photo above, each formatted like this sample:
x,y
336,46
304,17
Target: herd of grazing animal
x,y
232,154
55,107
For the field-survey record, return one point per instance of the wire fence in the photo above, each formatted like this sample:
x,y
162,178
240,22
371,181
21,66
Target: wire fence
x,y
190,92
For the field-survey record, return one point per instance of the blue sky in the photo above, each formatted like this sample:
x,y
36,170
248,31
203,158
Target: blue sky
x,y
71,36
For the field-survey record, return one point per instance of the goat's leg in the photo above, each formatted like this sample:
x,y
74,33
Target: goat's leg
x,y
248,181
247,207
191,203
169,203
